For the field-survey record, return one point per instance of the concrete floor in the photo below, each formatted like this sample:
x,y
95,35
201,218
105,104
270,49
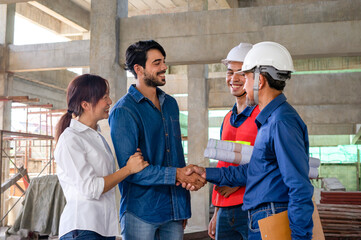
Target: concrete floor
x,y
188,236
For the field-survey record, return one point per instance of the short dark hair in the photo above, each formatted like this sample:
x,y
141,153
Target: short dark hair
x,y
276,84
137,54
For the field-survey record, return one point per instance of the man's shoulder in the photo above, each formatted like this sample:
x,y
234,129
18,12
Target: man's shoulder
x,y
286,113
127,101
170,100
125,105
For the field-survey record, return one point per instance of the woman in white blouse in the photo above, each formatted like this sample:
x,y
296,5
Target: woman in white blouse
x,y
85,164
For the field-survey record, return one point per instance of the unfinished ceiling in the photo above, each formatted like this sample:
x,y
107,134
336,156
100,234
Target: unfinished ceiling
x,y
71,18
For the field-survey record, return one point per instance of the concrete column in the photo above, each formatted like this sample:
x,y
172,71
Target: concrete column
x,y
7,16
197,140
104,52
104,43
104,49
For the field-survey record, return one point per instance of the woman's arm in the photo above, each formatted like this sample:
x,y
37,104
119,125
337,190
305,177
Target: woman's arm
x,y
135,164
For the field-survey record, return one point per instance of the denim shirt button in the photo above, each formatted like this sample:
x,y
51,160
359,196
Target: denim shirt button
x,y
168,150
166,134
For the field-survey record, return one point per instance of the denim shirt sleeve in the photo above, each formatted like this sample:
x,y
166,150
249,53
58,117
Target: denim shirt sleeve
x,y
124,131
232,176
292,157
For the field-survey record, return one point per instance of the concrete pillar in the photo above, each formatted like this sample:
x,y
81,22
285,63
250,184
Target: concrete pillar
x,y
104,52
104,49
104,43
197,140
7,15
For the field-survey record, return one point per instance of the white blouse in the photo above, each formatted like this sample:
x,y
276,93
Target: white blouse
x,y
83,158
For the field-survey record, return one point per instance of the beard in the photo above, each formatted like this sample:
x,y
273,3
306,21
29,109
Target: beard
x,y
151,81
250,102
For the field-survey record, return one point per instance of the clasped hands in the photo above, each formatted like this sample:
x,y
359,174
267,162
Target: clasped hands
x,y
191,177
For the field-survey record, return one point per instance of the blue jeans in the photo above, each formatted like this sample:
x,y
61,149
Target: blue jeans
x,y
84,235
134,228
262,211
231,223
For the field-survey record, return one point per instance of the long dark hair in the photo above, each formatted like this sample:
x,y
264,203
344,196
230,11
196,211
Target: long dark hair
x,y
86,87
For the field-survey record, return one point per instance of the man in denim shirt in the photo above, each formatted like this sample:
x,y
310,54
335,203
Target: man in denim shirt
x,y
276,178
152,205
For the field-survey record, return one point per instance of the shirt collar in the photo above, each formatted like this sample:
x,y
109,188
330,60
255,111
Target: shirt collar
x,y
246,112
133,91
268,110
138,96
80,127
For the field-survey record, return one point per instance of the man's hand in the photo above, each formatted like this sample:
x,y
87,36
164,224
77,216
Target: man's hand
x,y
190,171
212,224
196,169
185,221
191,181
225,191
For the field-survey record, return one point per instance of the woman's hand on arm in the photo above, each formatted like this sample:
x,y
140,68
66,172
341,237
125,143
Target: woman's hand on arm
x,y
135,164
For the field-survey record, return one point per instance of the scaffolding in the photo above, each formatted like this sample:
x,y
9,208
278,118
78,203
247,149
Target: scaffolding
x,y
26,151
18,166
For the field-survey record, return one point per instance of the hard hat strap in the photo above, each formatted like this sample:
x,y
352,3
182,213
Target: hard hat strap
x,y
255,84
274,73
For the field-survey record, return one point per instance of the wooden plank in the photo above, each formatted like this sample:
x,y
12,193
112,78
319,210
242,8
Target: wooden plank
x,y
328,206
9,135
35,106
340,220
6,185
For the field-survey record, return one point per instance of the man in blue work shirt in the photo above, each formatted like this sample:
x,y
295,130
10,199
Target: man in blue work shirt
x,y
152,206
276,178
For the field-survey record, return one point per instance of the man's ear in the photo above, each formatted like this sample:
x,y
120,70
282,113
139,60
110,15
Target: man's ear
x,y
262,81
138,69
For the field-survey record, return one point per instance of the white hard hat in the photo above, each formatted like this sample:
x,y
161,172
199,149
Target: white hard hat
x,y
238,53
268,54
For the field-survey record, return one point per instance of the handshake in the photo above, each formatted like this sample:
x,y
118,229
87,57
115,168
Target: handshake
x,y
191,177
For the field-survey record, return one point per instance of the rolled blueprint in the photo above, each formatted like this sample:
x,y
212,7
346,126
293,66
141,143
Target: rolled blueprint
x,y
313,173
315,162
224,145
240,158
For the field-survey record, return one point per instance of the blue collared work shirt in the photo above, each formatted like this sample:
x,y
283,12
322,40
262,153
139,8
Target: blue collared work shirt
x,y
135,122
279,166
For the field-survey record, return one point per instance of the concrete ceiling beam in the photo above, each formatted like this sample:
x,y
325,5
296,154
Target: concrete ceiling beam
x,y
49,56
13,1
56,79
67,12
45,20
46,94
305,89
302,28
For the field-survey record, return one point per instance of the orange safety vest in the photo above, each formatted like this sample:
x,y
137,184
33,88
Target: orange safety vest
x,y
247,132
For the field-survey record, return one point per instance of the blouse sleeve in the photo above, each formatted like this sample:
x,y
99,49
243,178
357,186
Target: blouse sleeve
x,y
70,156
